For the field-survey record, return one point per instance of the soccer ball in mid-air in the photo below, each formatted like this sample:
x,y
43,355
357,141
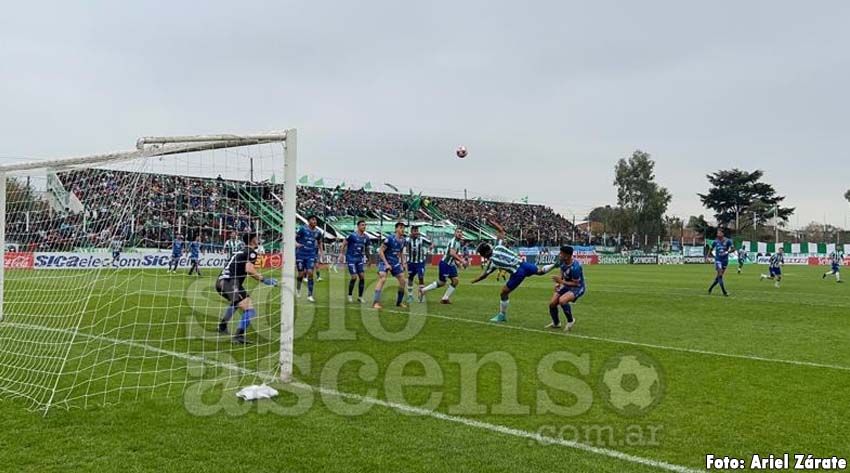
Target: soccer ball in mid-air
x,y
461,152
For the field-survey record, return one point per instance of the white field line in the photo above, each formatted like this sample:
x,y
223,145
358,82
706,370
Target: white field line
x,y
696,351
495,428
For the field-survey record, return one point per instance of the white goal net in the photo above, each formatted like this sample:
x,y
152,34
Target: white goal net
x,y
111,263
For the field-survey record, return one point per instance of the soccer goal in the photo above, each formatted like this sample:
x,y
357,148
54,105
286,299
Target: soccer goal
x,y
108,287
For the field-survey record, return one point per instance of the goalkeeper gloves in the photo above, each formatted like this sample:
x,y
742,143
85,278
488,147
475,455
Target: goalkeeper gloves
x,y
270,281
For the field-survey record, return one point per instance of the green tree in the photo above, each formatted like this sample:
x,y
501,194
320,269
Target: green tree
x,y
847,195
737,196
643,201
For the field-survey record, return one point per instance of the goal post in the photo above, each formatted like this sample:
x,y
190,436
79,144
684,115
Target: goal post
x,y
88,312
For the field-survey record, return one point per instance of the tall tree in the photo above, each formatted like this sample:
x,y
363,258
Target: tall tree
x,y
642,199
847,195
735,194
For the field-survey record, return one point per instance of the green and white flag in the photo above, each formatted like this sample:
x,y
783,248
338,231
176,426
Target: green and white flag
x,y
303,180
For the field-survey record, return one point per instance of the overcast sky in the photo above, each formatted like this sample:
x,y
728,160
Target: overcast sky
x,y
546,96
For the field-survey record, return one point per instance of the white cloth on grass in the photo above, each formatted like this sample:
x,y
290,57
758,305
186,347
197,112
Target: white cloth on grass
x,y
252,393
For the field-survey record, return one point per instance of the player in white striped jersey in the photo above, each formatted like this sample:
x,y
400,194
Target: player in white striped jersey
x,y
500,257
835,259
448,268
775,267
417,250
233,245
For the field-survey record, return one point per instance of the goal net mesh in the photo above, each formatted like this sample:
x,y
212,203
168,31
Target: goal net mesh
x,y
91,312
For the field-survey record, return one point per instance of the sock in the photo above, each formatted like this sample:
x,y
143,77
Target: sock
x,y
318,274
246,320
568,312
410,287
722,286
503,307
310,286
547,268
399,297
377,296
837,276
431,286
553,312
713,284
361,287
298,283
350,287
449,291
421,287
228,314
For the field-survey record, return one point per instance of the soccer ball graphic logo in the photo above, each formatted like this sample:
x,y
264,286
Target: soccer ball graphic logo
x,y
632,384
461,152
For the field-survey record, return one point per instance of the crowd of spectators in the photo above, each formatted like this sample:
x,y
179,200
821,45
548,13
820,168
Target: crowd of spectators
x,y
146,209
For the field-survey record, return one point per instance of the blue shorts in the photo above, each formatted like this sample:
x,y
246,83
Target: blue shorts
x,y
416,269
305,263
395,268
836,268
355,267
578,291
525,270
194,259
447,271
175,257
721,265
775,271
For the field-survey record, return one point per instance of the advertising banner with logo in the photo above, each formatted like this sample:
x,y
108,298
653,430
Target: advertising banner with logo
x,y
76,260
18,260
613,259
696,260
645,259
671,259
792,260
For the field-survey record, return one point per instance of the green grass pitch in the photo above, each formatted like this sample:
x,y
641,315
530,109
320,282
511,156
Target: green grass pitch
x,y
147,388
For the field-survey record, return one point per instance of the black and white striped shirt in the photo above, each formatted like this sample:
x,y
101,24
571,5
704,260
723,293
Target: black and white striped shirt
x,y
416,250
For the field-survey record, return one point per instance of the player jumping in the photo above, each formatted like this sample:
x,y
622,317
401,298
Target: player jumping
x,y
415,247
391,260
230,286
355,252
722,246
500,257
308,250
448,269
835,260
775,267
569,287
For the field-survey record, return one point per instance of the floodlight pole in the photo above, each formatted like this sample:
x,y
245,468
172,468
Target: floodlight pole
x,y
2,239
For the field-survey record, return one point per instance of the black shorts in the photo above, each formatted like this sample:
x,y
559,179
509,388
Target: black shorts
x,y
231,290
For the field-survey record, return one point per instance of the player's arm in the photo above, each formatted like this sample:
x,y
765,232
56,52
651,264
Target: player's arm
x,y
455,256
381,254
500,230
487,271
252,271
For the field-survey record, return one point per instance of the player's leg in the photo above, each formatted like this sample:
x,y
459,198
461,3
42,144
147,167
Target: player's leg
x,y
553,311
778,275
411,273
224,288
402,285
504,300
352,279
450,289
309,266
379,286
421,281
318,273
443,276
361,284
837,275
248,314
299,265
565,301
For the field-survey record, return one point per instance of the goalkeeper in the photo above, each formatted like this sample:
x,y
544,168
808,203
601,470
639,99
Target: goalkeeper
x,y
230,286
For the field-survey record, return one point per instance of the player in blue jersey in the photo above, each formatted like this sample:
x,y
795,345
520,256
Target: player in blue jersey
x,y
569,287
416,250
835,260
355,254
500,257
448,268
391,260
308,250
195,255
176,253
775,267
722,246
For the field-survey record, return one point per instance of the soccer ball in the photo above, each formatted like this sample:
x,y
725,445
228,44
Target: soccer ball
x,y
461,152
